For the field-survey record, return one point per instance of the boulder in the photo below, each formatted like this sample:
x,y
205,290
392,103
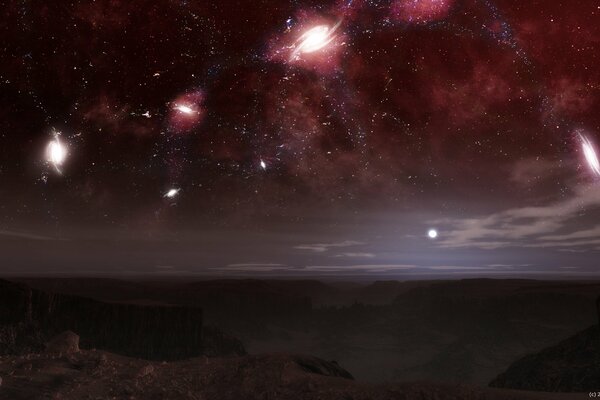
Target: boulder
x,y
64,343
145,371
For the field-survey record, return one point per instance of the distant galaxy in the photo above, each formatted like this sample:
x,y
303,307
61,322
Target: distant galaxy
x,y
314,43
314,39
171,193
56,152
589,152
186,111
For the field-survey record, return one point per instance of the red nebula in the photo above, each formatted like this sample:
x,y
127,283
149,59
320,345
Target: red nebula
x,y
421,11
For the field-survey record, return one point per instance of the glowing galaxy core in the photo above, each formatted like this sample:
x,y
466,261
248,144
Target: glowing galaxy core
x,y
56,153
314,39
184,109
187,111
590,154
172,193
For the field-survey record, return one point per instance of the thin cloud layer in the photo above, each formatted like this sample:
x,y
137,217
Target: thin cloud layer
x,y
548,225
323,247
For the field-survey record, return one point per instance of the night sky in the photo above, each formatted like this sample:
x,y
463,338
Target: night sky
x,y
300,138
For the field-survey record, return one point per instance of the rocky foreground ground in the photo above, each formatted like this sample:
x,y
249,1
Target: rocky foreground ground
x,y
67,373
572,365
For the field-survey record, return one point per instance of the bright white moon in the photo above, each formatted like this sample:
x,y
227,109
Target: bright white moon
x,y
432,234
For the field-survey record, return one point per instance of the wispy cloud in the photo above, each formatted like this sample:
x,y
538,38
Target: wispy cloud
x,y
26,235
582,234
454,268
254,264
400,268
359,268
254,267
557,224
530,171
356,255
573,250
323,247
508,266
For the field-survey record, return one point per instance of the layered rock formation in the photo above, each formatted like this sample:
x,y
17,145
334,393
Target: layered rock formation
x,y
29,317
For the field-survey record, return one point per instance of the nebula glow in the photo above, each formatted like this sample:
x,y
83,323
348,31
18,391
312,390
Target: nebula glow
x,y
56,153
421,11
590,154
314,40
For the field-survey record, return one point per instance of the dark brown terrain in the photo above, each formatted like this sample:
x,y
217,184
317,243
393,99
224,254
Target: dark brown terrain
x,y
30,317
101,375
572,365
182,340
465,331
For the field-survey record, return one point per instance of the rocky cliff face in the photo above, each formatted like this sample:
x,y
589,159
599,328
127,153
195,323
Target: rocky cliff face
x,y
29,317
573,365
